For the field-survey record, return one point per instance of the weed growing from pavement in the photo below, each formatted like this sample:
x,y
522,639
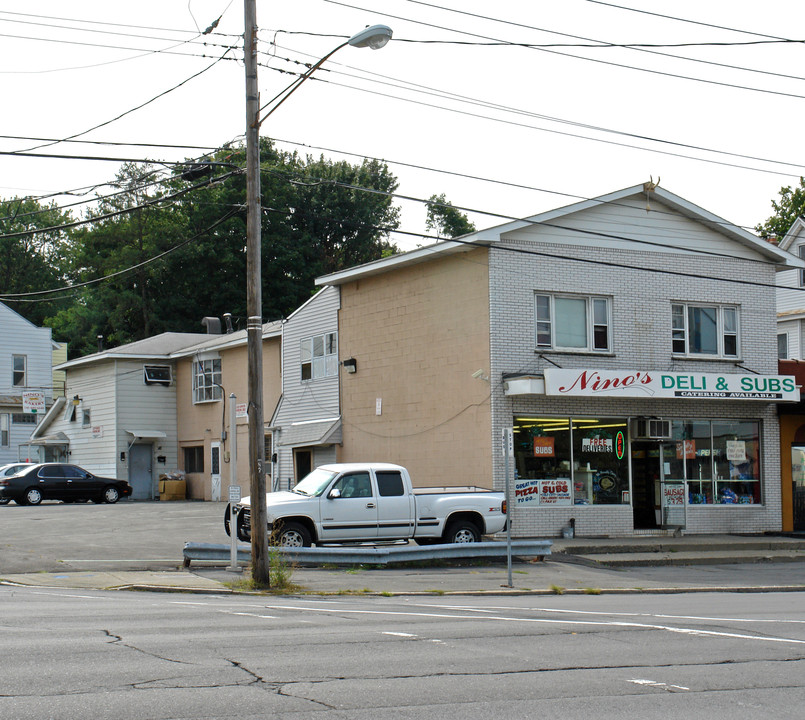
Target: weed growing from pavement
x,y
557,590
592,591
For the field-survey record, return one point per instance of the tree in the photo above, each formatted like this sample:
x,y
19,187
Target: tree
x,y
445,219
315,221
786,211
32,261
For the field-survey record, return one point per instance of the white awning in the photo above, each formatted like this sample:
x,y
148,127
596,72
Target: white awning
x,y
311,432
56,439
147,434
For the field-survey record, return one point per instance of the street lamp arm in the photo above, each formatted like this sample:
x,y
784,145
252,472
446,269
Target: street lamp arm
x,y
288,91
374,36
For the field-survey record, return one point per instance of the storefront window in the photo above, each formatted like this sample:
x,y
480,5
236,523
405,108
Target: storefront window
x,y
564,461
719,460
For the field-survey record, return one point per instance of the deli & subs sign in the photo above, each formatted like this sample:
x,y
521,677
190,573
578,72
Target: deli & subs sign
x,y
651,384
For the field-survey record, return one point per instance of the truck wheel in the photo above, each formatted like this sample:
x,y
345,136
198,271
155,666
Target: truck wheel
x,y
291,534
462,531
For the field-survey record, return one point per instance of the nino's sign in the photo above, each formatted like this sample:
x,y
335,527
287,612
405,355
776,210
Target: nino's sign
x,y
653,384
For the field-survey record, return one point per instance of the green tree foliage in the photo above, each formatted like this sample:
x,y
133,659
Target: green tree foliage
x,y
446,220
32,262
314,221
790,206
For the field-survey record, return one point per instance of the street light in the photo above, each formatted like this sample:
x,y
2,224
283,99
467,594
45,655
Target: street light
x,y
375,37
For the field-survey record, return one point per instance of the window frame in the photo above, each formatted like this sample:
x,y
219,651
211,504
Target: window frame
x,y
207,380
782,352
193,458
801,253
318,356
15,372
682,333
151,375
547,325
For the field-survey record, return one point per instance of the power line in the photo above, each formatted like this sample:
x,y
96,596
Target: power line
x,y
430,91
587,59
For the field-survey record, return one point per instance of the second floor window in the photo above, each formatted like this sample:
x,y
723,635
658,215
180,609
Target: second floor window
x,y
18,376
319,356
207,380
782,346
573,322
705,330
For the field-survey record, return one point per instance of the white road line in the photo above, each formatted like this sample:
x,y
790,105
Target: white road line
x,y
399,634
544,621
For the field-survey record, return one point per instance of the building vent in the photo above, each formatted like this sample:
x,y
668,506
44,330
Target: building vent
x,y
651,429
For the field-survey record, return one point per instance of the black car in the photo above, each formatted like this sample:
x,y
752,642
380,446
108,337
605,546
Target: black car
x,y
60,481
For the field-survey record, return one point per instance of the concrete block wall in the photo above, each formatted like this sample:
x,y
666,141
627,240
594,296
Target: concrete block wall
x,y
641,339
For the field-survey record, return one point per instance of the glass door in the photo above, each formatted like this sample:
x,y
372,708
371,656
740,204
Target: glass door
x,y
798,489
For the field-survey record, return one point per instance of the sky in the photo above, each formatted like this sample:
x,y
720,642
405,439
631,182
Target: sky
x,y
509,108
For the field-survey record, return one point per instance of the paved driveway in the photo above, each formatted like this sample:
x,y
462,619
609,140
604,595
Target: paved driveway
x,y
127,536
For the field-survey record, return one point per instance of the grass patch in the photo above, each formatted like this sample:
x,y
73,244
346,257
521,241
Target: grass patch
x,y
557,590
592,591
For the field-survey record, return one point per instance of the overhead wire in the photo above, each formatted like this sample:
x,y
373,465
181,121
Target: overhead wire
x,y
584,58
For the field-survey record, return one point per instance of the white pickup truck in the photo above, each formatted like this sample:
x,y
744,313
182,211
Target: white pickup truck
x,y
365,502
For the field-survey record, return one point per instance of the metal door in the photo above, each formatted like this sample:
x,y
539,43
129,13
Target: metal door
x,y
141,476
215,470
354,513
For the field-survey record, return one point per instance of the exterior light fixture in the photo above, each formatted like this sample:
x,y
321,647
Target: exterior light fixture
x,y
350,365
373,36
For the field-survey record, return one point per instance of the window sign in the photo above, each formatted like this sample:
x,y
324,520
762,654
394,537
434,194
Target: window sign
x,y
544,447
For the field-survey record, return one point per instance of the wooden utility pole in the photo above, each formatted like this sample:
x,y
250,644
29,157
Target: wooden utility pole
x,y
254,305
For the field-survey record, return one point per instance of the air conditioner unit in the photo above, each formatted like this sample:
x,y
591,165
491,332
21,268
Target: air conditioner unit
x,y
651,429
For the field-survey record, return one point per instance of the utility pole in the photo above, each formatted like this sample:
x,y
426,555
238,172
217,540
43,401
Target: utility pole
x,y
254,304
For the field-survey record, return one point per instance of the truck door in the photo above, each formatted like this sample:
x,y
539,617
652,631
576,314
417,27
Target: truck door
x,y
395,509
353,514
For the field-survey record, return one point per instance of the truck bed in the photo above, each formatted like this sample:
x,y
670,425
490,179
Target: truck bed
x,y
450,489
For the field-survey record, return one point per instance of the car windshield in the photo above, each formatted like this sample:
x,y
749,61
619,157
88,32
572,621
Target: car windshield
x,y
314,483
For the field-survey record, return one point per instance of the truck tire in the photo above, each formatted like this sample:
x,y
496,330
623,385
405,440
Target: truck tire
x,y
462,531
290,534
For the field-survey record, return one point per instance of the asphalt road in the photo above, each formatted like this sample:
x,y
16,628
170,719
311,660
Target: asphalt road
x,y
54,537
94,654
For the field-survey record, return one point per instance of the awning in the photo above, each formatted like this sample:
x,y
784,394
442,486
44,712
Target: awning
x,y
313,432
147,434
58,438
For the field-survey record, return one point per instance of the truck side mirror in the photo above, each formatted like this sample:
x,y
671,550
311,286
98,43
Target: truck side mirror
x,y
334,493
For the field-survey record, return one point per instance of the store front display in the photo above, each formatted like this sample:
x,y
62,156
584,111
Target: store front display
x,y
572,461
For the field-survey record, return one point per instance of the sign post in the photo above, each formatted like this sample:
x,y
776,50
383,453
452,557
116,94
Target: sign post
x,y
508,454
234,488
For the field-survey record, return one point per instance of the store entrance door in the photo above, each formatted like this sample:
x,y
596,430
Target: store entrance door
x,y
798,489
646,469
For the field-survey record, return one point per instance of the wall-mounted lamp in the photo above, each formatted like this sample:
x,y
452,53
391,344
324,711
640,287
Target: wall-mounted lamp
x,y
122,456
480,375
76,400
350,365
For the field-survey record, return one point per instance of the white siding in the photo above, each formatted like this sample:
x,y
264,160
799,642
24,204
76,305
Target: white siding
x,y
20,337
309,399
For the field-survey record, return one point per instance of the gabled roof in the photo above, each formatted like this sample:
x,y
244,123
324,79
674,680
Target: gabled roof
x,y
793,233
230,340
490,236
158,347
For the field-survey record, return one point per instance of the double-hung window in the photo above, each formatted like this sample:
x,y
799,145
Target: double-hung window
x,y
207,380
18,378
319,356
710,330
573,322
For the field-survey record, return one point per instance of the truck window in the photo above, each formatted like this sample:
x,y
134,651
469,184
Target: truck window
x,y
355,485
389,483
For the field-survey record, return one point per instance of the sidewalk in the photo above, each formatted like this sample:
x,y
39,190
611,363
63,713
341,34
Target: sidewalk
x,y
663,565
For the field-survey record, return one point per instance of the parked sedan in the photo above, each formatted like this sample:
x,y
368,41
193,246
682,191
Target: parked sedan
x,y
12,469
60,481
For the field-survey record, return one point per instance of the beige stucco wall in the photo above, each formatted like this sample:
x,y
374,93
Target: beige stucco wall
x,y
418,334
202,424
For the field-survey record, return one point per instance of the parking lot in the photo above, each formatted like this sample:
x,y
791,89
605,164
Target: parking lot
x,y
129,535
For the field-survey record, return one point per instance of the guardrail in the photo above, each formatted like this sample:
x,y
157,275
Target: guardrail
x,y
373,554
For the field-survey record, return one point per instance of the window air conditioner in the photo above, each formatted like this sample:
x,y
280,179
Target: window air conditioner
x,y
651,429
